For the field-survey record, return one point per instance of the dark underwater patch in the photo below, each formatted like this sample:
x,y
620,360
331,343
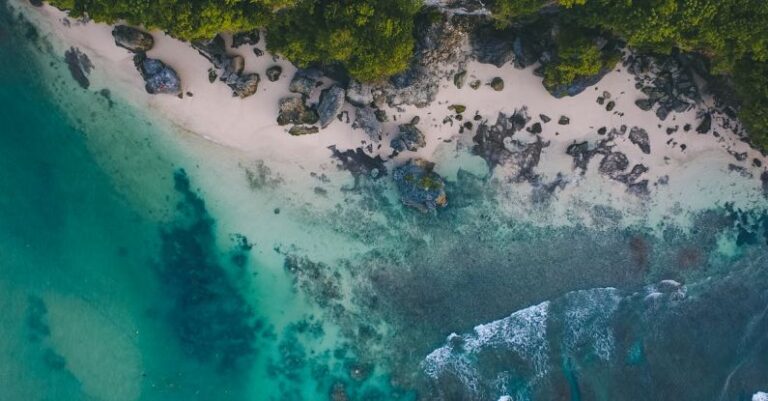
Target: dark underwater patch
x,y
213,322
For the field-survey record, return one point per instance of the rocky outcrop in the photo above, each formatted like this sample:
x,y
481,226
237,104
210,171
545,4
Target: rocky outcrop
x,y
359,94
365,119
244,85
331,103
639,137
614,163
230,67
158,77
301,130
667,81
409,138
132,39
293,110
419,186
212,49
79,65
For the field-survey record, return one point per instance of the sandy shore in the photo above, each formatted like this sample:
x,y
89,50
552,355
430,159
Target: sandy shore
x,y
698,174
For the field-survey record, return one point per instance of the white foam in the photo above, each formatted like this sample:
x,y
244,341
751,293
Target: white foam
x,y
760,396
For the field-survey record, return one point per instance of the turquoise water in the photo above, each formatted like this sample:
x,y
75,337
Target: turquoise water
x,y
139,264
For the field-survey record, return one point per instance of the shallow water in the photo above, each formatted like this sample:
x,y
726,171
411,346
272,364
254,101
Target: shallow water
x,y
140,263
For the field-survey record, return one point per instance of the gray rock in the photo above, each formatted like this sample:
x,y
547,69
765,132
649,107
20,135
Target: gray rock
x,y
274,72
644,104
764,180
365,119
497,84
303,82
475,84
613,163
409,138
245,85
705,125
639,137
564,120
419,186
211,49
232,67
460,79
359,94
331,103
158,77
301,130
293,110
544,118
132,39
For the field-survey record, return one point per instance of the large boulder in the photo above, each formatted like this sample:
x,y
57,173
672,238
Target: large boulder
x,y
132,39
211,49
158,77
331,102
409,138
245,85
419,186
365,119
639,137
304,82
293,110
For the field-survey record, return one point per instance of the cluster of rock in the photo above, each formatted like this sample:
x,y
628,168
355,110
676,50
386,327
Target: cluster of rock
x,y
409,137
419,186
159,78
668,82
497,144
614,164
228,67
298,111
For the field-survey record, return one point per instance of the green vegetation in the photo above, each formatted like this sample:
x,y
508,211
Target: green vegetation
x,y
752,84
578,56
372,38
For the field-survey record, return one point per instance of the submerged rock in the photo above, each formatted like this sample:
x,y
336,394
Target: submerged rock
x,y
410,138
359,163
331,103
132,39
293,110
639,137
419,186
79,65
158,77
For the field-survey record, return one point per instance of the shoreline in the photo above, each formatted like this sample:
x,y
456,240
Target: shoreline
x,y
680,181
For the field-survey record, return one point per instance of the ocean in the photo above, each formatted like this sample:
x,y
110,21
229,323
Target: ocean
x,y
140,262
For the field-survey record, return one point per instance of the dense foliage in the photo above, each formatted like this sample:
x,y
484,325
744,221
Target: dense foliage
x,y
577,56
372,38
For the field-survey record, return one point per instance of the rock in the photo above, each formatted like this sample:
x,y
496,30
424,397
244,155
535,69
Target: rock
x,y
610,106
331,103
132,39
638,188
544,118
577,86
245,85
497,84
212,49
535,128
293,110
79,65
409,138
457,108
365,119
36,3
460,79
274,72
359,163
764,180
564,120
303,82
300,130
662,113
246,38
419,186
705,125
381,115
212,75
231,66
359,94
639,137
475,84
632,176
158,77
258,52
613,163
492,46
